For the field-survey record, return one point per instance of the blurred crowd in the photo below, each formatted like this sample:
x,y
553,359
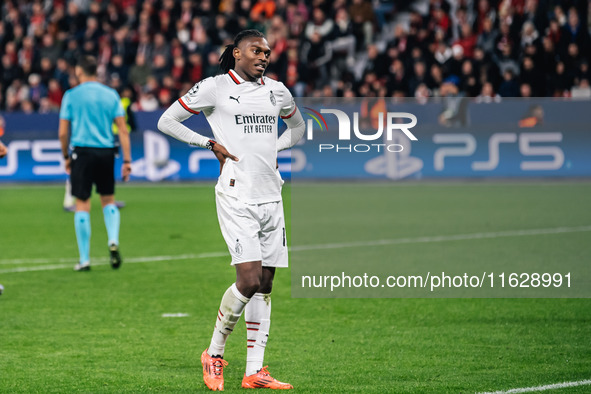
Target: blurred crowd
x,y
152,51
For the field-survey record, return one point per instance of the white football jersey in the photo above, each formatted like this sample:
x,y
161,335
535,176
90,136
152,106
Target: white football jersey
x,y
243,116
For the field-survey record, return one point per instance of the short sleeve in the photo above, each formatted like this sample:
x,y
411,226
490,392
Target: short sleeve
x,y
288,107
65,110
119,111
200,97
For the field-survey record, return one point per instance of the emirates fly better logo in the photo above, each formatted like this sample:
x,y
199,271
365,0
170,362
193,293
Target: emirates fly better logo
x,y
388,123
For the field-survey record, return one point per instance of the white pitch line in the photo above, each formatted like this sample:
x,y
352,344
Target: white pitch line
x,y
104,260
40,268
382,242
101,261
445,238
544,388
175,315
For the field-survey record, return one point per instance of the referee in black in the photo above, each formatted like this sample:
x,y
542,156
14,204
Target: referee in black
x,y
88,111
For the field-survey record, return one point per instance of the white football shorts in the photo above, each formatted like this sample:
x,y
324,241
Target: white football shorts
x,y
253,232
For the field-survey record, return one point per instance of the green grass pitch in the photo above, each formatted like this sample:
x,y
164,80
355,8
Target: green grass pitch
x,y
103,331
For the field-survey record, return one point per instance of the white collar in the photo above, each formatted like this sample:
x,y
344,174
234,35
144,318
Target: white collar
x,y
238,79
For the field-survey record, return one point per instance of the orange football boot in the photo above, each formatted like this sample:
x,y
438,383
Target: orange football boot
x,y
262,380
213,371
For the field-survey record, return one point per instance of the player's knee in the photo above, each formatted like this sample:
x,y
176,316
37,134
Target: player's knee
x,y
266,286
248,286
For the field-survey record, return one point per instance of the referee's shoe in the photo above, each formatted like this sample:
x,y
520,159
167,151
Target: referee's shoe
x,y
115,259
82,266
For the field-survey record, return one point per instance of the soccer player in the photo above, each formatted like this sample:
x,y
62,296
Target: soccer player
x,y
242,108
89,110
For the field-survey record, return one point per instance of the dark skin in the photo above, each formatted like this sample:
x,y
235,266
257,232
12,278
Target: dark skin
x,y
251,57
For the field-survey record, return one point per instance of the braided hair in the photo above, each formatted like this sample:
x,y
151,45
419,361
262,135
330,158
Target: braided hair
x,y
227,60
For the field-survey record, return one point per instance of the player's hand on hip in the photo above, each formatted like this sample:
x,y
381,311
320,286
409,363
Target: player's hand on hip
x,y
125,171
222,154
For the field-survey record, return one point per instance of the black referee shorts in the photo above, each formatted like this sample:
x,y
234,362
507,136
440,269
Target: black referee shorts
x,y
92,165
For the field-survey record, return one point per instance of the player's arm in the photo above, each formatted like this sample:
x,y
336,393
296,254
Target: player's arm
x,y
170,123
200,97
64,129
64,136
125,147
295,130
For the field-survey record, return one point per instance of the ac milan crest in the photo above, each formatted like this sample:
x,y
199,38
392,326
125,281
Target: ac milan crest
x,y
238,248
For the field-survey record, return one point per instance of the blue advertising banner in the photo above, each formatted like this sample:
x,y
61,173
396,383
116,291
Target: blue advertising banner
x,y
35,155
449,137
360,138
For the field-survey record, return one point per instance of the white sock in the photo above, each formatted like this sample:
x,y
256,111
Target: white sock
x,y
258,322
69,200
231,308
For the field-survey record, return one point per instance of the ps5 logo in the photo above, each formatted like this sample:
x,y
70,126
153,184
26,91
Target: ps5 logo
x,y
388,124
464,145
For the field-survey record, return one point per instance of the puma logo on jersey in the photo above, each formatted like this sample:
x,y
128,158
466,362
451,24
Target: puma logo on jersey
x,y
235,98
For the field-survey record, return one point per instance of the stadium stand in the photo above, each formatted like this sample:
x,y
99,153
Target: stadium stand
x,y
485,49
